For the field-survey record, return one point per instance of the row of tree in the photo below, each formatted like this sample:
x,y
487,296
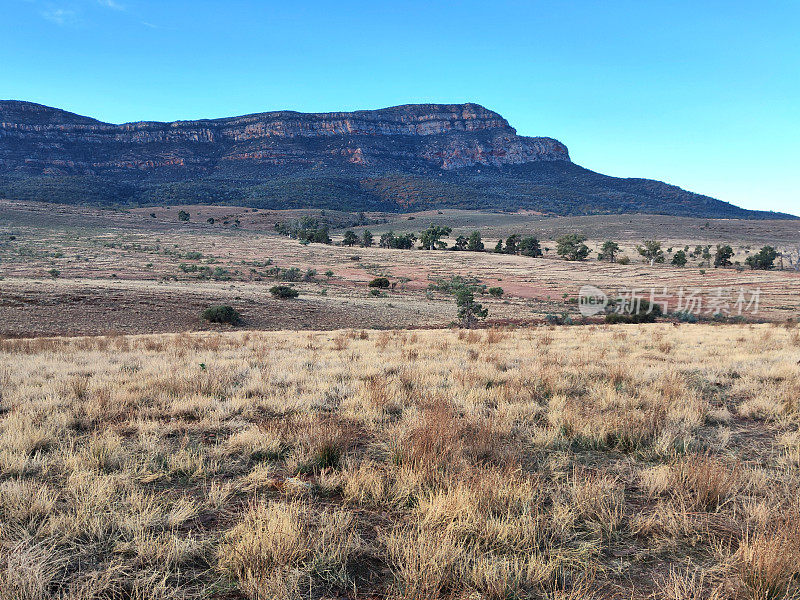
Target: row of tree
x,y
571,246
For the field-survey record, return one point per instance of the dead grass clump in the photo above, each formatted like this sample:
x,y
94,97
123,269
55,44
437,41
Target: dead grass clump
x,y
279,544
768,561
699,481
599,500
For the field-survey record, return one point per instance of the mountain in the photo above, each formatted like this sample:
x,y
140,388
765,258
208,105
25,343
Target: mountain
x,y
408,157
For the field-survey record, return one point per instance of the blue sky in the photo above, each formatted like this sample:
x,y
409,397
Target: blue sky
x,y
704,94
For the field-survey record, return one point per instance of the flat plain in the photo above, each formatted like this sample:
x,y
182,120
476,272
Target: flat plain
x,y
74,271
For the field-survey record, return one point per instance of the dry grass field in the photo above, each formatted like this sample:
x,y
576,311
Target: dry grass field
x,y
651,461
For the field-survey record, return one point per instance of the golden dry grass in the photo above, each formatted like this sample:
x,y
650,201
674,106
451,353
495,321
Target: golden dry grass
x,y
587,462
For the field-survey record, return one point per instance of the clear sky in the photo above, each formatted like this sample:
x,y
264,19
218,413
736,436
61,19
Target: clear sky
x,y
702,94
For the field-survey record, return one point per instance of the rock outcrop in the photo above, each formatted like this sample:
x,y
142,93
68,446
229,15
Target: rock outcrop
x,y
406,157
49,139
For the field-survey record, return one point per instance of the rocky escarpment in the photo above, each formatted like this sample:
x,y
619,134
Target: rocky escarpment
x,y
406,157
456,136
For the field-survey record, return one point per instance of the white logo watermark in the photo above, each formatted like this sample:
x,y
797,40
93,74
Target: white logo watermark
x,y
720,301
592,301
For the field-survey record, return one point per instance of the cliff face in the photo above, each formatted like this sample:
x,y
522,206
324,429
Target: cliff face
x,y
406,157
34,137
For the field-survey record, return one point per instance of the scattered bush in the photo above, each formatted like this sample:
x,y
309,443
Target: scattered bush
x,y
379,282
644,312
283,292
496,292
222,314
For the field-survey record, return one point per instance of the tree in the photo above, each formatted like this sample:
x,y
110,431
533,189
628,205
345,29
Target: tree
x,y
529,246
469,311
387,240
679,260
722,258
367,239
571,247
764,259
350,238
652,251
475,243
431,237
499,246
609,251
512,244
495,292
460,243
183,215
402,242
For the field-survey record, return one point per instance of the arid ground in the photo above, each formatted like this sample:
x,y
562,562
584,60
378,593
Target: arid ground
x,y
70,270
625,462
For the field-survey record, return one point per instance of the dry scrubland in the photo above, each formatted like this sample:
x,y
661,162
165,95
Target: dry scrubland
x,y
597,462
70,270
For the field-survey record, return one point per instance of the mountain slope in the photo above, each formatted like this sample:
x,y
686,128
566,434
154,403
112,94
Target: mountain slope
x,y
413,156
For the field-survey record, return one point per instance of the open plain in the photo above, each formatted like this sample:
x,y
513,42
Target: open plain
x,y
71,270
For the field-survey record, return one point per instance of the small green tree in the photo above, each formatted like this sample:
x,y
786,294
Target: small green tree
x,y
679,259
571,246
431,237
350,238
183,215
651,250
530,246
367,239
496,292
722,258
609,251
498,247
764,259
469,311
512,244
387,240
460,243
475,244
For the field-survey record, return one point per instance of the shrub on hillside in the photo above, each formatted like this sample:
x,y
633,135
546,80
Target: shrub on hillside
x,y
284,292
644,313
222,314
379,282
496,292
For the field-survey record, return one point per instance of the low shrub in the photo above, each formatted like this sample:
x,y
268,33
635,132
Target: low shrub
x,y
496,292
379,282
222,314
283,292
